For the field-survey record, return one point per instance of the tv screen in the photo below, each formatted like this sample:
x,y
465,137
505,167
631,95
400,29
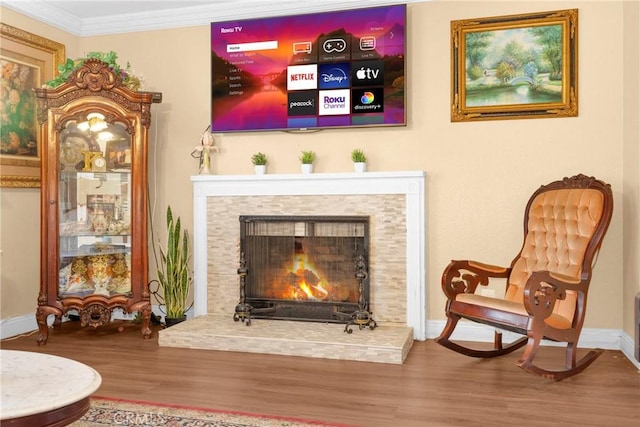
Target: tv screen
x,y
311,71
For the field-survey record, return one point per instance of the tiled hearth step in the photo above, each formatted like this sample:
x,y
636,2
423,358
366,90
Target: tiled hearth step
x,y
388,343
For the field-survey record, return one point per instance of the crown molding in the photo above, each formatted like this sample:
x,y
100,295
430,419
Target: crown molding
x,y
48,13
45,12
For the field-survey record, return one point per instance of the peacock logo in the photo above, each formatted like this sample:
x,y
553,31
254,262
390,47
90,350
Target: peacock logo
x,y
367,98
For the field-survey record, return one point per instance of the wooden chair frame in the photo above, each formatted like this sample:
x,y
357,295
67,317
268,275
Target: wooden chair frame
x,y
541,292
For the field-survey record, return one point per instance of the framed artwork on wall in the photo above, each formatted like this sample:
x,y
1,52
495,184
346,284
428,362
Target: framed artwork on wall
x,y
26,62
515,67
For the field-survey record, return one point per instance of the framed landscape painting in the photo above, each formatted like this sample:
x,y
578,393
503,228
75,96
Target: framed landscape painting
x,y
26,62
515,67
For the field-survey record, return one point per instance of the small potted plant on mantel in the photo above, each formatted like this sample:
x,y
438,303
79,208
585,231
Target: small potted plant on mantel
x,y
307,158
359,160
259,161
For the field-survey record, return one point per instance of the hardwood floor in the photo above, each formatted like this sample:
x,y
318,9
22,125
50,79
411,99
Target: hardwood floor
x,y
434,387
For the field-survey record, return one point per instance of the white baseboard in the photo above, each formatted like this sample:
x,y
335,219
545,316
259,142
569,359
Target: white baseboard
x,y
18,325
155,309
610,339
627,348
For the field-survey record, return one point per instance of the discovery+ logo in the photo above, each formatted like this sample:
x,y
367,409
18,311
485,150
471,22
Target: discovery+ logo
x,y
367,100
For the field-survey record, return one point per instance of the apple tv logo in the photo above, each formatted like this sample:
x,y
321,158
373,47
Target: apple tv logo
x,y
367,73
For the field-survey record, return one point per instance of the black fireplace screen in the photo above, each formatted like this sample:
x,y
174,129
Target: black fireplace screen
x,y
304,267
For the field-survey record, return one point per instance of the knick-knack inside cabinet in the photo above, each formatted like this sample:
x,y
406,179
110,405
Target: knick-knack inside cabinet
x,y
94,134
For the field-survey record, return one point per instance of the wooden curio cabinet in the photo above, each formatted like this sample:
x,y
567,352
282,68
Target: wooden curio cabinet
x,y
94,133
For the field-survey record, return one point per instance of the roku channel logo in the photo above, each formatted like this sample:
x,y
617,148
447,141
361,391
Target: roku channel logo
x,y
334,102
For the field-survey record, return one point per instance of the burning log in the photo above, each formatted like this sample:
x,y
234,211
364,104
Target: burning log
x,y
308,277
338,292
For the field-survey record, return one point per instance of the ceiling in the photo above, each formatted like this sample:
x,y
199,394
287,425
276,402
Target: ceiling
x,y
102,17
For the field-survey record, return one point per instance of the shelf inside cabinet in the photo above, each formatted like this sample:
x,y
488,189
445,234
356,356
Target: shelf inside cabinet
x,y
88,250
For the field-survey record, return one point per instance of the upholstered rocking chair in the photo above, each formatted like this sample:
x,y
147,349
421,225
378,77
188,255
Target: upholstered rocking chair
x,y
547,282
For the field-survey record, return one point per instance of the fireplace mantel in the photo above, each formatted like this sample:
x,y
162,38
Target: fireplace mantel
x,y
411,184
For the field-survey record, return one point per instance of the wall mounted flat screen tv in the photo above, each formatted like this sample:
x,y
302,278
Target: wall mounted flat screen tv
x,y
312,71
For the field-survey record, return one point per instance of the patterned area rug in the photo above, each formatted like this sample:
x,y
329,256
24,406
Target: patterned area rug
x,y
117,412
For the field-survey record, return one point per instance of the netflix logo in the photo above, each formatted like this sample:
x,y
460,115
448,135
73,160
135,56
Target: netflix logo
x,y
300,77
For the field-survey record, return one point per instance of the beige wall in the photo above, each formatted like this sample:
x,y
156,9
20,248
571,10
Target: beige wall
x,y
480,175
20,210
631,162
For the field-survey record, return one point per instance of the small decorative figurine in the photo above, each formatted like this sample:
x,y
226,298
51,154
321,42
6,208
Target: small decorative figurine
x,y
204,150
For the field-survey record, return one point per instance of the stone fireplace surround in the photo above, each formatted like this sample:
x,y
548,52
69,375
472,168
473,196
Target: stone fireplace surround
x,y
395,203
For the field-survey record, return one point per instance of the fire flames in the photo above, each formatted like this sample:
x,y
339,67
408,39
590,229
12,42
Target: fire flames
x,y
303,282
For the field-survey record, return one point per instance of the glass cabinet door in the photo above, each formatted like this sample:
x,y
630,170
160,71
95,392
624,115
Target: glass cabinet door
x,y
94,208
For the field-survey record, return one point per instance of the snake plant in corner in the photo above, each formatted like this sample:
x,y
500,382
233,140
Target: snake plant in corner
x,y
173,272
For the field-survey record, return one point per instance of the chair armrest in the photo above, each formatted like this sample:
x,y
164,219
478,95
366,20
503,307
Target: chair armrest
x,y
544,288
465,276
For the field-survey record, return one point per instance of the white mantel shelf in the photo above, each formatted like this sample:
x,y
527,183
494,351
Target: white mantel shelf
x,y
408,183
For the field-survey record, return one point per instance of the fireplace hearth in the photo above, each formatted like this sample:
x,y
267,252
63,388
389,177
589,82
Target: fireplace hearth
x,y
395,204
306,268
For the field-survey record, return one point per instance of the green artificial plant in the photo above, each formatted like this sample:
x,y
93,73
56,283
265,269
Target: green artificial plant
x,y
259,159
358,156
110,58
173,271
307,157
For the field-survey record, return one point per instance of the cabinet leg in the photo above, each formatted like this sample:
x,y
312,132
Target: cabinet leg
x,y
146,320
42,314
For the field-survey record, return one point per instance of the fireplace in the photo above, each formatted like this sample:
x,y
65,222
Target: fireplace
x,y
393,201
308,268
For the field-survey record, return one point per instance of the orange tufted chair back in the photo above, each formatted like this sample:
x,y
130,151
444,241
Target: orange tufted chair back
x,y
564,228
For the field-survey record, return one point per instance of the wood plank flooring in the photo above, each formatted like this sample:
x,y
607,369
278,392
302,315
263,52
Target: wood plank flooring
x,y
434,387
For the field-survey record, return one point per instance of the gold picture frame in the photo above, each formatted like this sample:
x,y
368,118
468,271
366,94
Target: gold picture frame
x,y
26,62
515,67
